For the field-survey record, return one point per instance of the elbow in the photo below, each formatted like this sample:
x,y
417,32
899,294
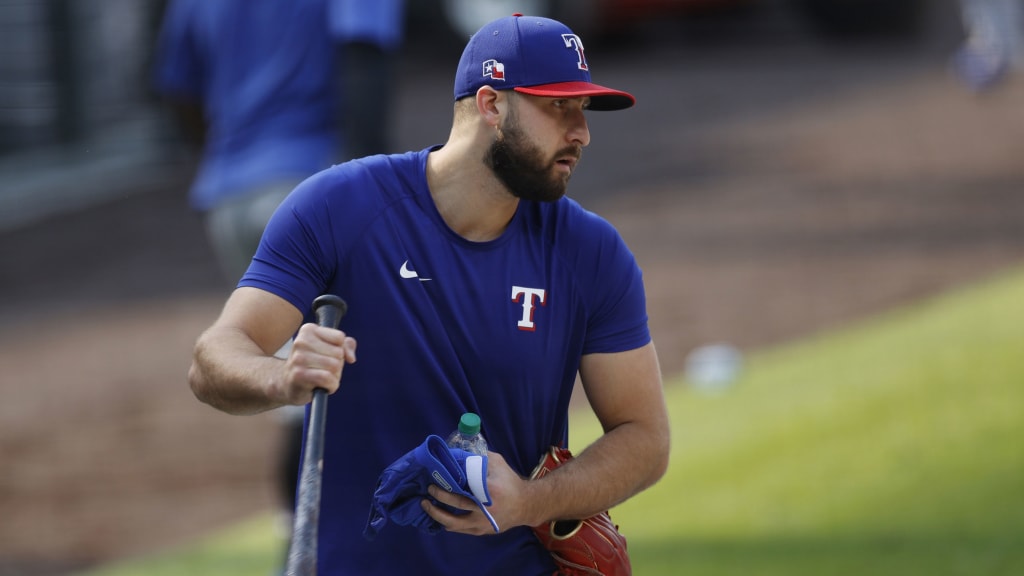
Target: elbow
x,y
206,393
195,382
660,459
213,383
659,443
662,467
197,378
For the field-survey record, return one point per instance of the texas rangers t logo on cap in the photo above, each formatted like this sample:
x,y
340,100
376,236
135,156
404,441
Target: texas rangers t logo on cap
x,y
495,69
573,41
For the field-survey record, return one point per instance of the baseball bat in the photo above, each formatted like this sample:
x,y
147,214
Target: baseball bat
x,y
303,549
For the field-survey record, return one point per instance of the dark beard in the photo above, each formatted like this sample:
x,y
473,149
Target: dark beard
x,y
522,168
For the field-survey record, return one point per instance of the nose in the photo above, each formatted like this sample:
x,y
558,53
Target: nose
x,y
579,131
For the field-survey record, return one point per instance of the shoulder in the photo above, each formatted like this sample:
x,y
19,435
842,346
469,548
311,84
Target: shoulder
x,y
587,242
567,223
353,193
605,275
380,177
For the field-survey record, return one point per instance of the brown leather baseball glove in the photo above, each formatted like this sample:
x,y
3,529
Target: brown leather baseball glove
x,y
589,547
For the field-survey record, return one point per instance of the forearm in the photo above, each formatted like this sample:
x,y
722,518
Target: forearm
x,y
232,374
621,463
625,391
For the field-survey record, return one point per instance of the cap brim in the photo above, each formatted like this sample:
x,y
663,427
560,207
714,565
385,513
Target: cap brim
x,y
601,98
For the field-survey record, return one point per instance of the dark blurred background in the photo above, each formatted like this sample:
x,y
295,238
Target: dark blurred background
x,y
72,72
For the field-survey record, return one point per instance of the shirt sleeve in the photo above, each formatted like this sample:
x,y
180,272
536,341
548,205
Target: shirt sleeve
x,y
296,256
613,291
313,232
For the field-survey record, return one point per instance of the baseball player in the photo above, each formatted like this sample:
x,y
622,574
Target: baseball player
x,y
473,285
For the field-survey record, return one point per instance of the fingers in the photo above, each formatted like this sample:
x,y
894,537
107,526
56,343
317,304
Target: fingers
x,y
469,521
511,505
317,360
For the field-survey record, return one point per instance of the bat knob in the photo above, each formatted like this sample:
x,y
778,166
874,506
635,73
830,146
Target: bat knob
x,y
329,309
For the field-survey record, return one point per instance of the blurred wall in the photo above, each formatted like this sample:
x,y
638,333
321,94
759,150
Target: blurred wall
x,y
70,68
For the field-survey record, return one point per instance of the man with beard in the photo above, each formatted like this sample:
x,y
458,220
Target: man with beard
x,y
473,285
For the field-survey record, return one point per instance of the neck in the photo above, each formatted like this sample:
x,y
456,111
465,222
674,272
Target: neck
x,y
470,199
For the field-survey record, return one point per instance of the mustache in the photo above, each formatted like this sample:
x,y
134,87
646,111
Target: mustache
x,y
574,152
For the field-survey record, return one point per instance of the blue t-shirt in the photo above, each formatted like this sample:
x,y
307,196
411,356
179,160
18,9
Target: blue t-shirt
x,y
265,74
445,326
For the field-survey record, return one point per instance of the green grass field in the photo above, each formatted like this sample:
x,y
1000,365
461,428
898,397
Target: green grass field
x,y
892,447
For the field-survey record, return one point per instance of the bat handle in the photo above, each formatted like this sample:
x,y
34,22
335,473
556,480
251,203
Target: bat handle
x,y
329,309
303,550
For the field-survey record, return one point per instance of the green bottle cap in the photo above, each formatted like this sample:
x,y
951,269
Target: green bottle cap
x,y
469,424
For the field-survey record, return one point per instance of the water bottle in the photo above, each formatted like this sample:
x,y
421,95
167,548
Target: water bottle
x,y
467,436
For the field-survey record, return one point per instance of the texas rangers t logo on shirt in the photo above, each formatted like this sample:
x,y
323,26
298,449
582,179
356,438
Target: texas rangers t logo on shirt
x,y
494,69
573,41
529,298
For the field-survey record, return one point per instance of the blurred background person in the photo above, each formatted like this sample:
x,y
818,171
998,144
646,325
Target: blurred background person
x,y
994,43
270,92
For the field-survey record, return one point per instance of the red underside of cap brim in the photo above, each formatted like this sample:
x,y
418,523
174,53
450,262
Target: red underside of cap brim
x,y
601,98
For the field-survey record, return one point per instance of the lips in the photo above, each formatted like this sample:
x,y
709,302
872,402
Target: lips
x,y
569,162
569,159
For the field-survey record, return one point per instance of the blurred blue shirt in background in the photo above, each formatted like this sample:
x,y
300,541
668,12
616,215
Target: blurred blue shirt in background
x,y
266,76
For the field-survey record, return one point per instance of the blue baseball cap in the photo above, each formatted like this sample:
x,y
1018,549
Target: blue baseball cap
x,y
532,55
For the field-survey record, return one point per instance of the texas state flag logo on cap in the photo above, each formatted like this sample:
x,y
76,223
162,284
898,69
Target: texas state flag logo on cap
x,y
494,70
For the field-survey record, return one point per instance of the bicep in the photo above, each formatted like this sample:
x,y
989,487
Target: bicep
x,y
265,318
625,387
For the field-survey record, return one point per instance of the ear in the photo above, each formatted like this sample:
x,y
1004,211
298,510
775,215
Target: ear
x,y
491,104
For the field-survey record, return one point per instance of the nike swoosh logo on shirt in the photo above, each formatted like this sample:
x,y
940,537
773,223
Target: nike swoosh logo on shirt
x,y
404,272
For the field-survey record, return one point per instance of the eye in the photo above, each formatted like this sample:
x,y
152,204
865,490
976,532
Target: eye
x,y
567,103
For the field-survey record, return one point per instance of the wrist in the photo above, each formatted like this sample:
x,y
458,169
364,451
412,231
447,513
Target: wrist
x,y
540,501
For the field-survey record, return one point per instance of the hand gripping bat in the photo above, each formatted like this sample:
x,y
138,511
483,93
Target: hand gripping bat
x,y
303,550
